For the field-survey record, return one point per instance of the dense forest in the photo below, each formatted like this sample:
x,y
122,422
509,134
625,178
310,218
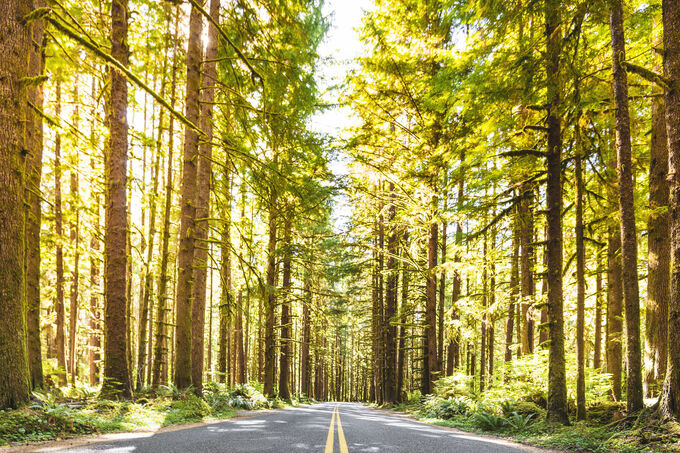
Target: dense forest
x,y
506,217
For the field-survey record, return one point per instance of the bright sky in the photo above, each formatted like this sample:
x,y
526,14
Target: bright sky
x,y
337,53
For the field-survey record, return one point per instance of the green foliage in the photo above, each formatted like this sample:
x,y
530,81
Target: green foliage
x,y
455,385
489,420
191,408
435,407
35,424
519,422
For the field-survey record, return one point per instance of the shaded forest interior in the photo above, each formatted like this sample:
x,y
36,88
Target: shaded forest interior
x,y
501,217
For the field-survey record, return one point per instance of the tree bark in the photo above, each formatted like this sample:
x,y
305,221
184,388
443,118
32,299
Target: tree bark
x,y
116,366
389,321
183,368
557,380
59,302
527,267
284,357
204,173
514,288
670,398
431,370
269,295
34,146
580,285
160,356
614,311
14,47
629,238
659,257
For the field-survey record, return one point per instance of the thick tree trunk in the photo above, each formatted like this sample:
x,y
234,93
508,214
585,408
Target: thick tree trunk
x,y
670,399
14,47
187,229
627,213
557,379
116,366
659,254
203,176
614,311
34,146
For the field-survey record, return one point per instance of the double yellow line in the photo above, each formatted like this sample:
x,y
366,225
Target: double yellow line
x,y
331,434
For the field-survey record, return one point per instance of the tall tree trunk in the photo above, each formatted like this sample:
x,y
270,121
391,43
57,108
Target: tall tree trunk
x,y
284,357
670,398
269,295
160,355
557,379
614,311
431,369
116,366
59,302
225,270
631,295
389,321
454,344
659,254
34,146
580,285
74,231
203,176
187,241
597,347
514,288
95,261
527,267
14,47
305,364
485,316
401,350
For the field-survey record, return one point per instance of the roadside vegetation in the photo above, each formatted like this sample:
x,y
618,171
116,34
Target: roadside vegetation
x,y
58,414
514,406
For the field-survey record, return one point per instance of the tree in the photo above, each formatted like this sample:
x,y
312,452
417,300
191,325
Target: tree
x,y
116,366
627,212
14,70
187,242
557,382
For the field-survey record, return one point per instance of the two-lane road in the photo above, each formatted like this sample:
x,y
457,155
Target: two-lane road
x,y
322,428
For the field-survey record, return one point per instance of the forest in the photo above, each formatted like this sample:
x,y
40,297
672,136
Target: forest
x,y
492,242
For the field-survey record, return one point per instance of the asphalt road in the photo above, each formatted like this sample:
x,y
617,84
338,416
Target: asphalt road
x,y
323,428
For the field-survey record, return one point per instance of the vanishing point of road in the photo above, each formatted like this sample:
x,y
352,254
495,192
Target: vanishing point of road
x,y
322,428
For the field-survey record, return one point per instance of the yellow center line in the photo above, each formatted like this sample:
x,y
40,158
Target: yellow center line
x,y
341,435
331,433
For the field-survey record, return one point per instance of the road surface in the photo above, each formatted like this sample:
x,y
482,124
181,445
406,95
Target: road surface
x,y
323,428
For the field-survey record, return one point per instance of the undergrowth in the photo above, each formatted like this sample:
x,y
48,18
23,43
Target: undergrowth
x,y
70,412
514,406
